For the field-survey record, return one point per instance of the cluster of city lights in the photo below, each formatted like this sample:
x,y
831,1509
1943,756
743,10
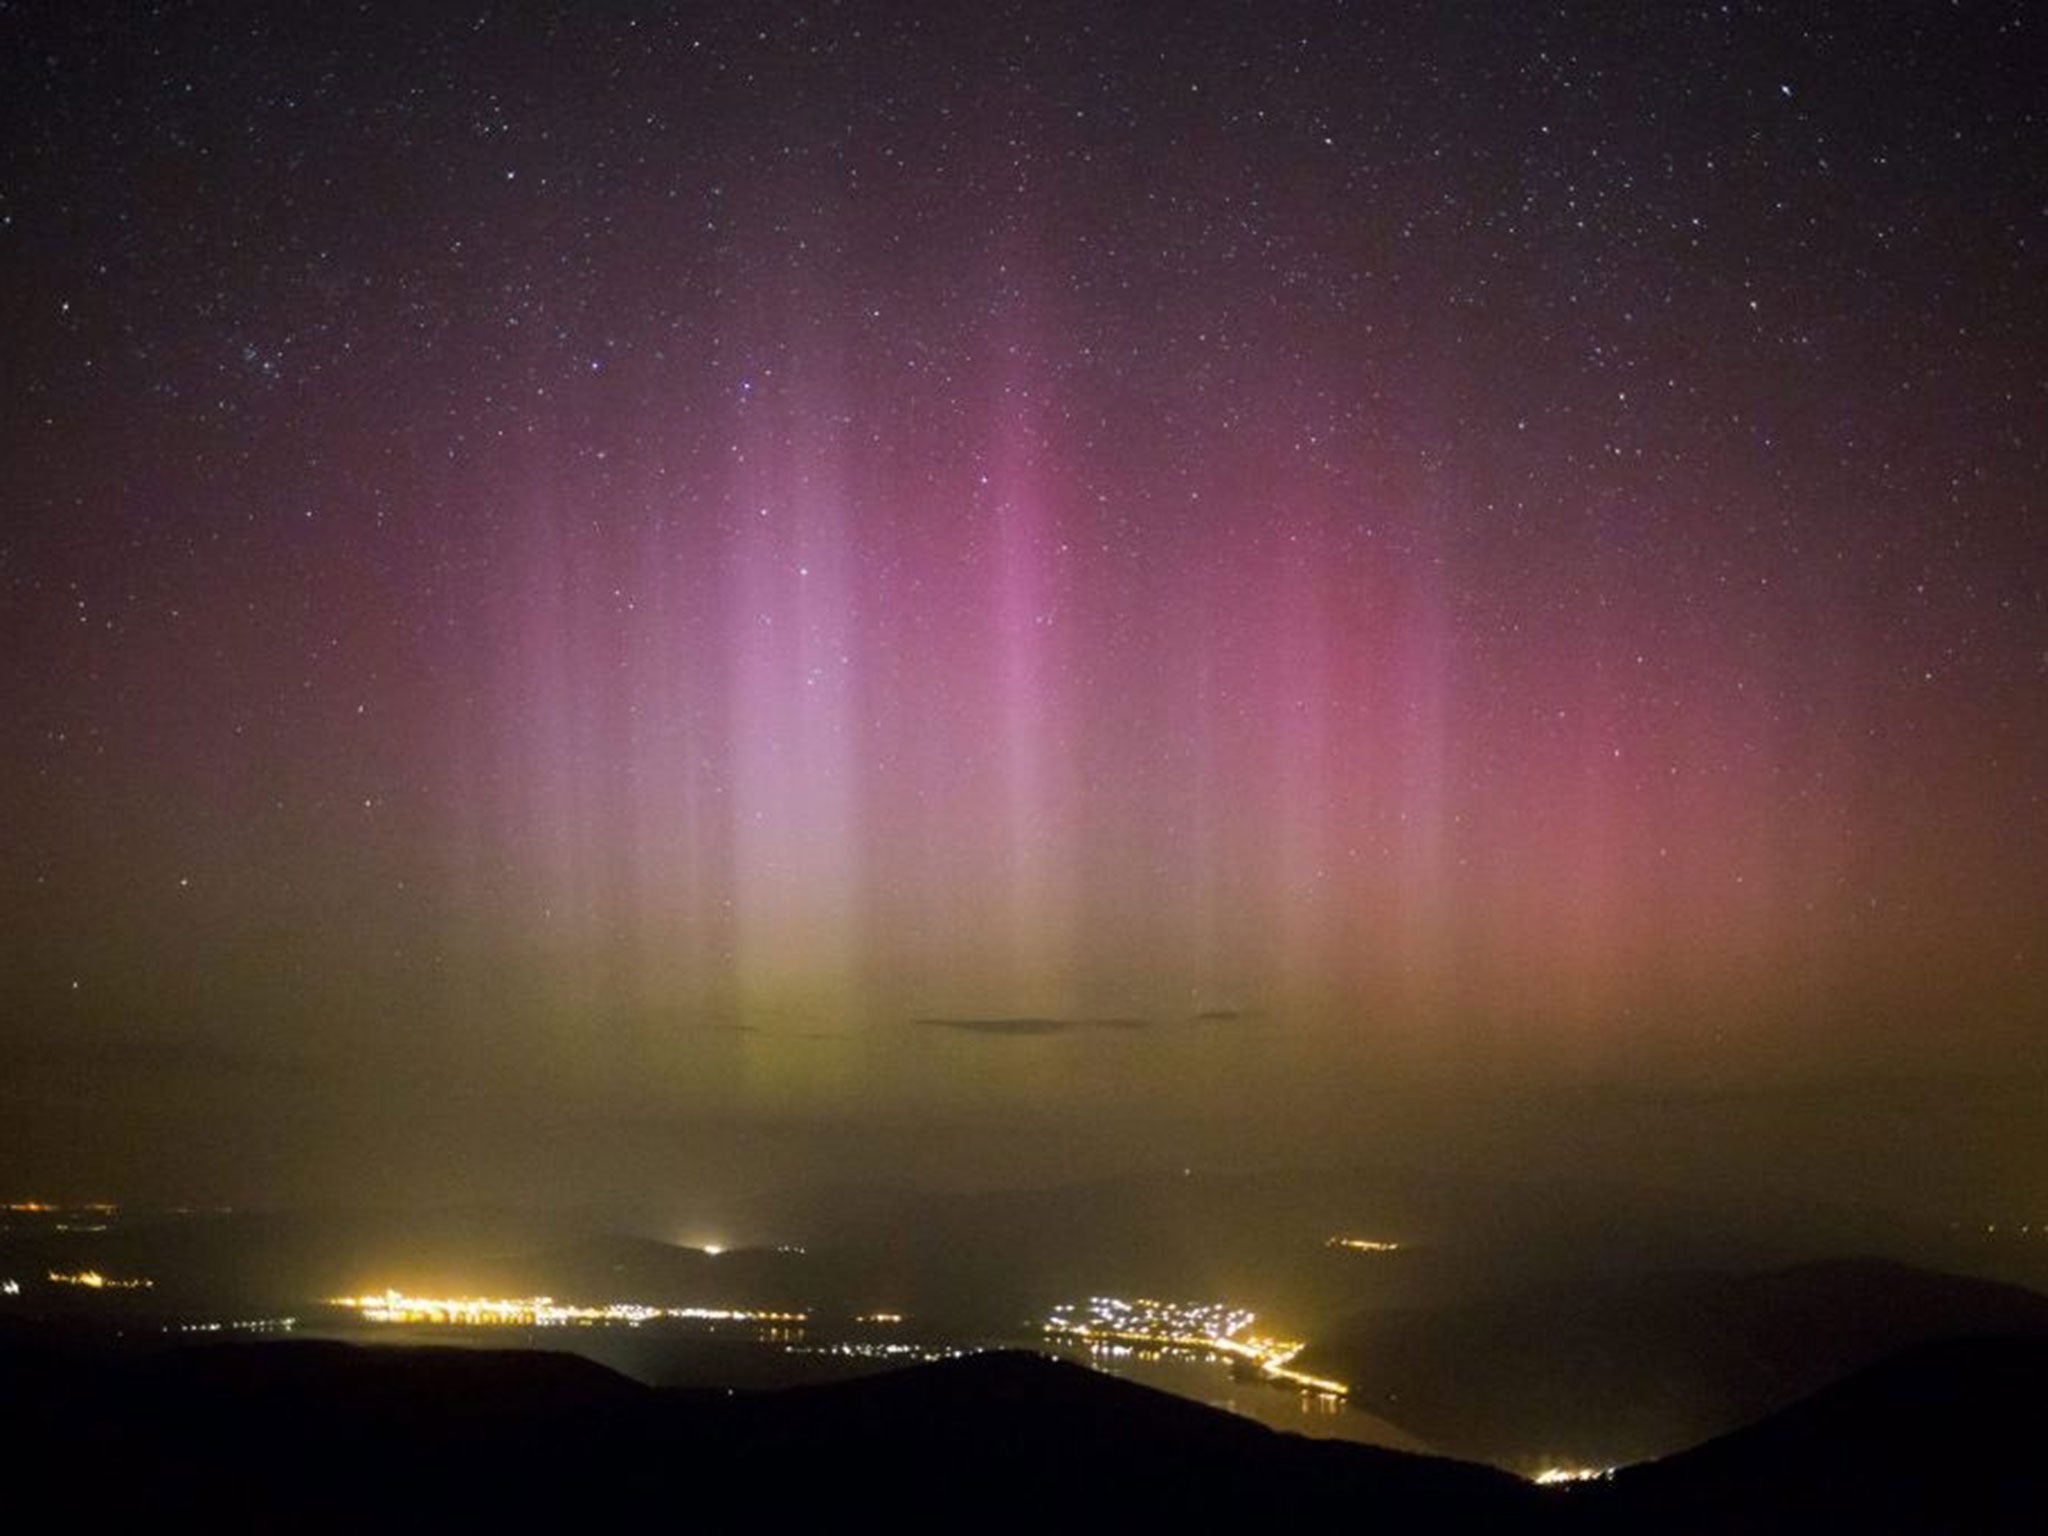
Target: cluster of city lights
x,y
1143,1318
892,1352
1363,1245
93,1280
1210,1328
542,1312
1555,1477
90,1216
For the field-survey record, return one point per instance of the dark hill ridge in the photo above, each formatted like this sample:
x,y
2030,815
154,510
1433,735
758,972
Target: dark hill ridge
x,y
302,1435
1946,1437
1625,1371
1070,1442
322,1436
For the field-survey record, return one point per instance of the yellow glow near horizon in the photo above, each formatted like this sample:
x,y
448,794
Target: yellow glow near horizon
x,y
394,1306
93,1280
1553,1477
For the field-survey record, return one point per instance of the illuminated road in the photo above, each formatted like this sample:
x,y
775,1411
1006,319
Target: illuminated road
x,y
1216,1330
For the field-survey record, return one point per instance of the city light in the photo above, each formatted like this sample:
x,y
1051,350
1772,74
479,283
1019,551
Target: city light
x,y
393,1306
893,1353
1363,1245
93,1280
1553,1477
1211,1328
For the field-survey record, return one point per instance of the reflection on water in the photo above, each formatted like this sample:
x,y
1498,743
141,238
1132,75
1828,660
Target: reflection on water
x,y
1212,1383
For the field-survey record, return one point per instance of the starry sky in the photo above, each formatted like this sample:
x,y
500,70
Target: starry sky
x,y
708,589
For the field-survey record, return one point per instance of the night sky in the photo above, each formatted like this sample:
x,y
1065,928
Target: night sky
x,y
644,594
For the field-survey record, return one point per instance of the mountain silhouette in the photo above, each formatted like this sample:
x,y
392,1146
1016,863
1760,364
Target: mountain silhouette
x,y
1624,1371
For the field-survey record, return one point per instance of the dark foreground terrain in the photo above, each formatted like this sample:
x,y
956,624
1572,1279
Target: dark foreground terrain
x,y
1636,1368
304,1435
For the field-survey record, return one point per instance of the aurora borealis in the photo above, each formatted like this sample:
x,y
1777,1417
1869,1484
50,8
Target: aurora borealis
x,y
729,571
